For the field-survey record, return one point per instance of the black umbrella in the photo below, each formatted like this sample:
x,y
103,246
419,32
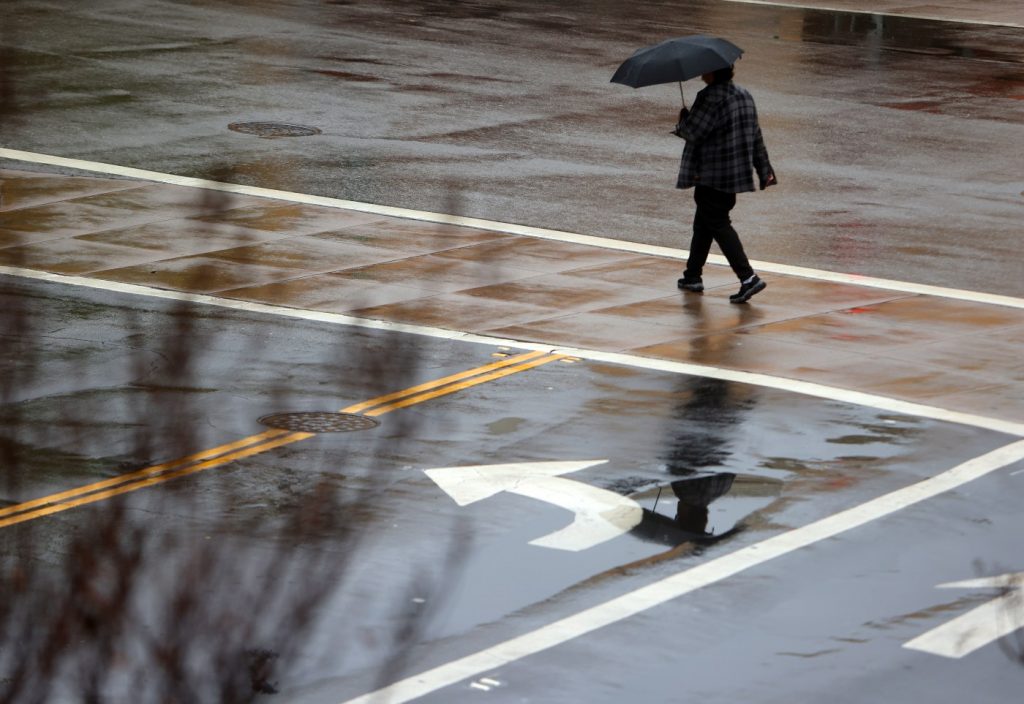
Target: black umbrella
x,y
677,59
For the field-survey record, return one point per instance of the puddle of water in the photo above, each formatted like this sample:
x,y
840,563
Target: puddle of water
x,y
703,509
504,426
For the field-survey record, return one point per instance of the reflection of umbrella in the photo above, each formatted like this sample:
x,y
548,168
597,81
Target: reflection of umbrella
x,y
677,60
691,520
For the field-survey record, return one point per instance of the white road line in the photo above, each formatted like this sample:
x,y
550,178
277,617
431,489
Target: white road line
x,y
980,626
909,15
690,580
508,228
774,382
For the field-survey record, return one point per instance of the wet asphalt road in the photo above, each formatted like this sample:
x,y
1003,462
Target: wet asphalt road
x,y
107,402
826,624
896,140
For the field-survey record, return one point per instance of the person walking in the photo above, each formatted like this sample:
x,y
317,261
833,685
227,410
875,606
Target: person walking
x,y
724,146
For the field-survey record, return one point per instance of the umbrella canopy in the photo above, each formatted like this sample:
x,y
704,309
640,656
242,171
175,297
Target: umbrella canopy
x,y
677,59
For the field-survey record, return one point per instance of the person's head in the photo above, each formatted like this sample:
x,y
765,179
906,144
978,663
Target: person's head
x,y
722,75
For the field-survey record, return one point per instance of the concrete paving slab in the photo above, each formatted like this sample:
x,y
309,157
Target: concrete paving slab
x,y
181,236
906,379
561,293
544,256
111,209
439,273
947,317
599,330
456,311
411,236
690,314
844,332
752,353
646,271
11,238
1000,400
284,218
333,292
32,189
69,255
306,254
197,274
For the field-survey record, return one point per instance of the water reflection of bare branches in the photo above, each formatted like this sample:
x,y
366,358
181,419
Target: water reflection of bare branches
x,y
1012,645
200,589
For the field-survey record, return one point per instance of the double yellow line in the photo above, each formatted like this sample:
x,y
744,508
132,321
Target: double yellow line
x,y
262,442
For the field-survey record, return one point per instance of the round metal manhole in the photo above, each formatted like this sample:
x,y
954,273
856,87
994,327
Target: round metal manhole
x,y
273,129
319,422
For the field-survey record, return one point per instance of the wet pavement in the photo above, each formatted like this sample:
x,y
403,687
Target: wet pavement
x,y
150,326
714,466
892,135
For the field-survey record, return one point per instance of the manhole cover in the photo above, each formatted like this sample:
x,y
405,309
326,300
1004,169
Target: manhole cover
x,y
273,129
319,422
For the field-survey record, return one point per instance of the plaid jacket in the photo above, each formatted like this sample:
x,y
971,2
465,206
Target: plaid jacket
x,y
723,141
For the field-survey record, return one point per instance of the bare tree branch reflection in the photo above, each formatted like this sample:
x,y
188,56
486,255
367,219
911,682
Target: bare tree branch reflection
x,y
1012,645
192,593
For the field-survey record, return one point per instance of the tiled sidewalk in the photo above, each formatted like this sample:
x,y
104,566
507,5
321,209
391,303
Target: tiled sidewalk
x,y
953,354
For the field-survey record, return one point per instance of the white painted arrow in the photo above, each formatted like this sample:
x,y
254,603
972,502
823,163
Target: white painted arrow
x,y
600,514
980,626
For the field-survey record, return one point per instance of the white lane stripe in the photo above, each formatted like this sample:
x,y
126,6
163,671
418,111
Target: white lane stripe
x,y
792,385
908,15
683,583
507,228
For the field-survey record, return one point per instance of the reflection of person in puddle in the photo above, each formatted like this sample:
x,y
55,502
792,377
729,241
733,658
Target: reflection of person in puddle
x,y
695,495
691,520
703,423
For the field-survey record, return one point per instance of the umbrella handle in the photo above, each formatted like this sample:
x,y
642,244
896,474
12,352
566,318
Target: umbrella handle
x,y
681,94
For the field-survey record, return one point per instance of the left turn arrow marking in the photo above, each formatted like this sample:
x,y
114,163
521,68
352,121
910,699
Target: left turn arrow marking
x,y
600,514
980,626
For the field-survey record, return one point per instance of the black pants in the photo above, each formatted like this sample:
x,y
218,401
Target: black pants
x,y
711,223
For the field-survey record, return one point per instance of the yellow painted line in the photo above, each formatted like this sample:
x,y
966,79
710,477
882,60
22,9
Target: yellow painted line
x,y
262,442
139,474
464,385
442,382
95,496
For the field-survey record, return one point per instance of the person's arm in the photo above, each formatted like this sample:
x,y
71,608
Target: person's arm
x,y
695,125
763,167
